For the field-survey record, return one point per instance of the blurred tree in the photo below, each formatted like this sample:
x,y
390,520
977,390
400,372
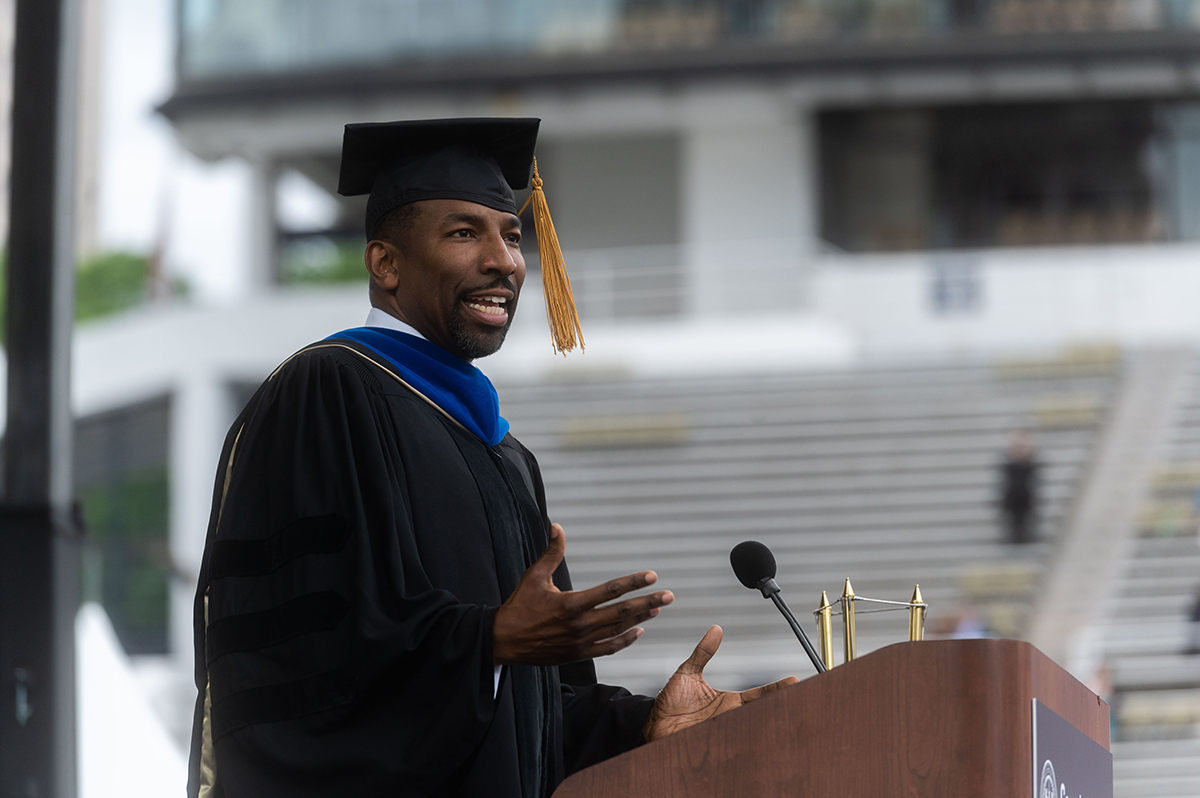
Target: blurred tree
x,y
109,283
114,281
105,284
322,259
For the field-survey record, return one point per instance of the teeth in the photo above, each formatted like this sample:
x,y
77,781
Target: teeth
x,y
491,310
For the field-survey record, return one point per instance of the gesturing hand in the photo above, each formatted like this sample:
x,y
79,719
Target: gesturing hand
x,y
542,625
687,699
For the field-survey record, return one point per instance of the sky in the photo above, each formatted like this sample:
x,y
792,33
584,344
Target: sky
x,y
137,149
150,189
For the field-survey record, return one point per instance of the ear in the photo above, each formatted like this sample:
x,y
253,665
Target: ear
x,y
383,263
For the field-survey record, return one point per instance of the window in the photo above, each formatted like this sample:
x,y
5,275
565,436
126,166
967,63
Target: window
x,y
1005,175
121,482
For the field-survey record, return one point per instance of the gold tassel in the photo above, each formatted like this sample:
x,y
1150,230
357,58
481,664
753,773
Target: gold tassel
x,y
556,285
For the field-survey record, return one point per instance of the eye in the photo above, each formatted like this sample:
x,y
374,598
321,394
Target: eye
x,y
463,232
513,238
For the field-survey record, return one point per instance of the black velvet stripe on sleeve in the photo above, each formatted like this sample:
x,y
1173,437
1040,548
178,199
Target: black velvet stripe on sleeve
x,y
322,534
314,612
278,702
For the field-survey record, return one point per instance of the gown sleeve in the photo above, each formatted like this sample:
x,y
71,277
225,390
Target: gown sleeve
x,y
335,666
599,720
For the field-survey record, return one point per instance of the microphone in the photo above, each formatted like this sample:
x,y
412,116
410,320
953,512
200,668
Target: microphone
x,y
754,565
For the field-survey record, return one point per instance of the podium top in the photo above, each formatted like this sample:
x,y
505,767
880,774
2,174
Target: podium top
x,y
949,717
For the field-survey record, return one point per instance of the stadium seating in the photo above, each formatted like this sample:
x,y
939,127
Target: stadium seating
x,y
887,475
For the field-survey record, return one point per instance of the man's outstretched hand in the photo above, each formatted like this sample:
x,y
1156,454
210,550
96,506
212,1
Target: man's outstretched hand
x,y
687,699
542,625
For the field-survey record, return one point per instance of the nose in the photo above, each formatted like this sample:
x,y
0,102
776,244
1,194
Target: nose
x,y
499,258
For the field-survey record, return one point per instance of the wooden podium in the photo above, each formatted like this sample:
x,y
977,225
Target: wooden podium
x,y
935,718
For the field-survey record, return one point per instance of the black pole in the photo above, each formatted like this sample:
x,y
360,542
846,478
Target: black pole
x,y
39,571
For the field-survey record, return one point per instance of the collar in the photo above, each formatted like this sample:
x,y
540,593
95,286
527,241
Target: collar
x,y
381,318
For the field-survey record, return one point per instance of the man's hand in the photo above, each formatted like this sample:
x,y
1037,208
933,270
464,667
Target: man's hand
x,y
687,699
541,625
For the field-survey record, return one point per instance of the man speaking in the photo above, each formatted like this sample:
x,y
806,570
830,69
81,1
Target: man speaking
x,y
383,606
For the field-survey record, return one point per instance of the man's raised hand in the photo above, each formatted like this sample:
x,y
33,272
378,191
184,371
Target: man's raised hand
x,y
542,625
687,699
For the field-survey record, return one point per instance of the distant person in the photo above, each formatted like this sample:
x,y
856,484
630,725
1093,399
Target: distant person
x,y
1194,626
1019,479
1196,511
1102,684
963,623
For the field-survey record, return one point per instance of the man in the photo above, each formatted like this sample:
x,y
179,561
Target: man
x,y
383,607
1019,488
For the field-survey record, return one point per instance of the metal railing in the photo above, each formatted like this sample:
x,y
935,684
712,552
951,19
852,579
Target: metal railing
x,y
627,282
674,280
614,283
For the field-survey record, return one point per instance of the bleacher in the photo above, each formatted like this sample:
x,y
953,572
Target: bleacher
x,y
887,475
1146,637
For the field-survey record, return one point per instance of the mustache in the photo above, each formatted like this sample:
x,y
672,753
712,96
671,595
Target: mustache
x,y
501,283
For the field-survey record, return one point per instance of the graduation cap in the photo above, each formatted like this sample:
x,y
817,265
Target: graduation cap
x,y
476,160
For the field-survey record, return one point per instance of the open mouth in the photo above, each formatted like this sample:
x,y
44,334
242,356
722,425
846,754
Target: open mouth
x,y
488,308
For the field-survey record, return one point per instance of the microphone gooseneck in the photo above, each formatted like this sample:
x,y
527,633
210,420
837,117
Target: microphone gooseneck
x,y
754,565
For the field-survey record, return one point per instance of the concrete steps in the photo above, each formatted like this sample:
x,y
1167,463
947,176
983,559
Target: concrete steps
x,y
1144,639
1152,768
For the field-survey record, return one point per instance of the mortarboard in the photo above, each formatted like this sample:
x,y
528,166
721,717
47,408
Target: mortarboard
x,y
476,160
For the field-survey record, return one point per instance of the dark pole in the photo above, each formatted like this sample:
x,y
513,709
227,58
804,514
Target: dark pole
x,y
39,571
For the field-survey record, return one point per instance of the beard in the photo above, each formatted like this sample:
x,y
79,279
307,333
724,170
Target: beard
x,y
472,341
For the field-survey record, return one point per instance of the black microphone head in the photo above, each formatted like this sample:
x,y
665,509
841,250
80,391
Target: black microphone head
x,y
752,563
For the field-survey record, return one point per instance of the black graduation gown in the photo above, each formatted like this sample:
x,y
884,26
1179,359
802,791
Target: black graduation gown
x,y
350,586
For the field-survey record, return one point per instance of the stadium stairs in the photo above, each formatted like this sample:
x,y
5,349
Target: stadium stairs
x,y
1144,637
885,474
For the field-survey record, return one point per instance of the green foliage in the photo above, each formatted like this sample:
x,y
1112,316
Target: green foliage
x,y
137,504
322,260
108,283
127,521
104,284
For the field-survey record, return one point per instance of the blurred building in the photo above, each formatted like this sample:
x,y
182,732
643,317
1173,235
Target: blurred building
x,y
736,152
743,186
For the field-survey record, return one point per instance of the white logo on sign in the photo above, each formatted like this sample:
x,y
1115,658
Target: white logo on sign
x,y
1049,784
1050,788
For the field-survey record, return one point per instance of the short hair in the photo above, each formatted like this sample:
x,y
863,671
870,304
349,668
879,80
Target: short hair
x,y
396,225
